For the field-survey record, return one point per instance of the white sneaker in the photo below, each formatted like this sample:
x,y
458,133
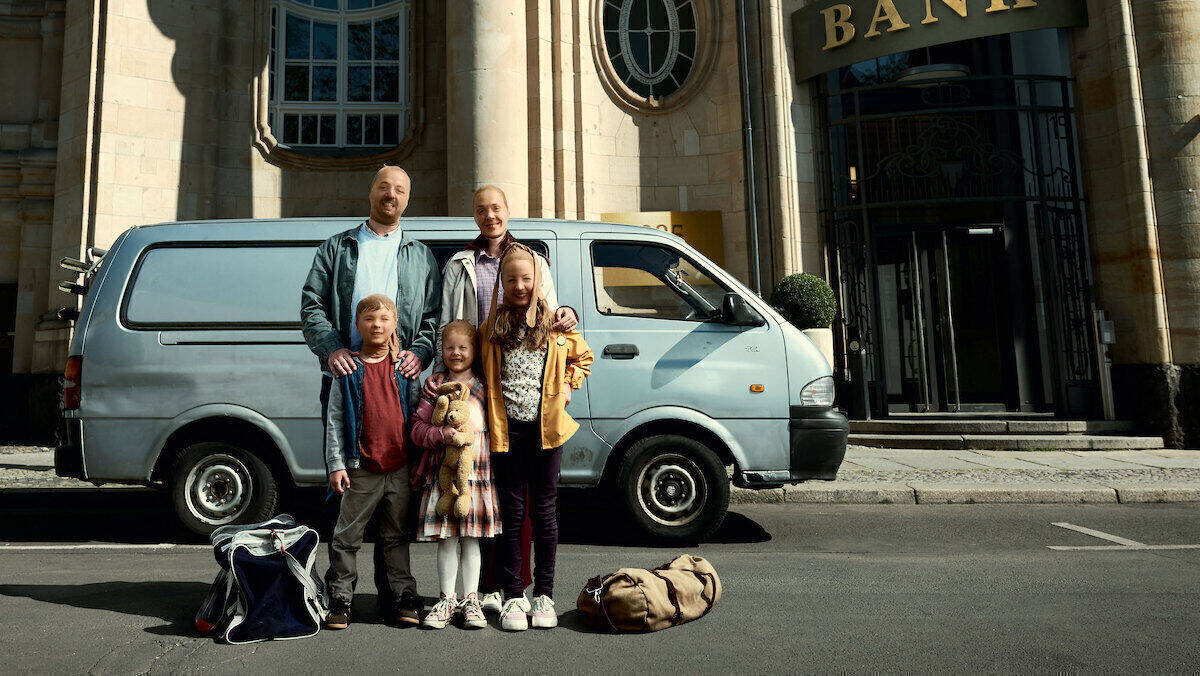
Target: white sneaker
x,y
525,604
442,613
512,617
472,613
544,616
492,602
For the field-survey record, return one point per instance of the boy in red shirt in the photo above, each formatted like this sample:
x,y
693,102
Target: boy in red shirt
x,y
367,462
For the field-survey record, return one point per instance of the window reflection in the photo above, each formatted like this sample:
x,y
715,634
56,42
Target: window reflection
x,y
342,81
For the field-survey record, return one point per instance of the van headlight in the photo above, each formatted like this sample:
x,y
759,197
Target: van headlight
x,y
818,393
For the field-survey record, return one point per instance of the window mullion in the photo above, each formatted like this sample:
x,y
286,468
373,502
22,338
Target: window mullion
x,y
341,108
343,52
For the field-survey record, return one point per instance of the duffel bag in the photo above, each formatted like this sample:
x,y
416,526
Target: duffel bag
x,y
639,600
266,588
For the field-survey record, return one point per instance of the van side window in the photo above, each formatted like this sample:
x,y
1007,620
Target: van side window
x,y
227,286
444,249
645,280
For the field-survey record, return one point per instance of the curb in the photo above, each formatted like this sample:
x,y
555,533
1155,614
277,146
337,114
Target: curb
x,y
848,493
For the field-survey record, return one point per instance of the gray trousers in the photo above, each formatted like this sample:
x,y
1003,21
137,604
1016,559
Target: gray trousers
x,y
367,491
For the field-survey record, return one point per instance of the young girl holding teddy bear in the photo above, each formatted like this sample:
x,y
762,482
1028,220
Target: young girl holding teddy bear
x,y
529,371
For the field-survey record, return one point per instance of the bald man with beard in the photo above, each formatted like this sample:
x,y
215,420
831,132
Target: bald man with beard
x,y
377,256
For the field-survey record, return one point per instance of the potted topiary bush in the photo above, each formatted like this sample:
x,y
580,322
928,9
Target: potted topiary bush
x,y
808,303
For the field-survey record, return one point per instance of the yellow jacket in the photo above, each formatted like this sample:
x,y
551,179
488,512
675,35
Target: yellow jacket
x,y
568,362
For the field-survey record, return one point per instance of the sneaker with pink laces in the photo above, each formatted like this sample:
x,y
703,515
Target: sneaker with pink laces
x,y
442,613
472,612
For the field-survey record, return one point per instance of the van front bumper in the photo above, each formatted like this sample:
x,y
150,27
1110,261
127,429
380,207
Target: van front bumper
x,y
68,458
817,438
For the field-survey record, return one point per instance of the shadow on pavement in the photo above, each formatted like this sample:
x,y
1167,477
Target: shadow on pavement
x,y
173,602
586,519
573,621
14,461
142,515
124,515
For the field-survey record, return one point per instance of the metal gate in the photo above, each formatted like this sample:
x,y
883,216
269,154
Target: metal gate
x,y
900,157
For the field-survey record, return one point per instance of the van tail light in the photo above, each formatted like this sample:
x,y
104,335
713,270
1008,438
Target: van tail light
x,y
71,377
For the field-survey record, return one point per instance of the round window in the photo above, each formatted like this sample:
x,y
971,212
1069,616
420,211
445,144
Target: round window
x,y
652,49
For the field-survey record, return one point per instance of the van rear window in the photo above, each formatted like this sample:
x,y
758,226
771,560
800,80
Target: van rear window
x,y
219,287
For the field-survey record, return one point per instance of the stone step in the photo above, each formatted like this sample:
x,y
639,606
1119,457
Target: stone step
x,y
973,415
941,427
1003,442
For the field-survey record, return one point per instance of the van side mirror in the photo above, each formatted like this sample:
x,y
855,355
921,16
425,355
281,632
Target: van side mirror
x,y
735,312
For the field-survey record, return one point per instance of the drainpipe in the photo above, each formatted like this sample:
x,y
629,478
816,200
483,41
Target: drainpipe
x,y
748,149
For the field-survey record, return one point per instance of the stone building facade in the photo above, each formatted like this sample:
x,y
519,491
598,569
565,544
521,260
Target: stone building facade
x,y
128,112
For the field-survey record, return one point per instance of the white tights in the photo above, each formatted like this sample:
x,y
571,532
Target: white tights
x,y
453,553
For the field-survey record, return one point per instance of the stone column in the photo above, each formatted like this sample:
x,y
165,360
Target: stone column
x,y
1169,61
487,111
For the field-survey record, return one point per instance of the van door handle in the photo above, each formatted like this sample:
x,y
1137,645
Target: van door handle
x,y
620,351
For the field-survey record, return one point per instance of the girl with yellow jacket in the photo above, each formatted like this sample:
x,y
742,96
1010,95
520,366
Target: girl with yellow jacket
x,y
530,371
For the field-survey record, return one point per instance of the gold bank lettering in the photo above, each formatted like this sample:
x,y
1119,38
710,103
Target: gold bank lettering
x,y
839,20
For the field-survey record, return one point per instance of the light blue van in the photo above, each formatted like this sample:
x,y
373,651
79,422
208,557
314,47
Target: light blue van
x,y
187,370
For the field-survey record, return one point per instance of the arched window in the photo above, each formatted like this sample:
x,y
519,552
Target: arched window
x,y
339,75
651,53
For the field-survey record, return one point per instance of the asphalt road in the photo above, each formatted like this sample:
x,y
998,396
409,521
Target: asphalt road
x,y
808,588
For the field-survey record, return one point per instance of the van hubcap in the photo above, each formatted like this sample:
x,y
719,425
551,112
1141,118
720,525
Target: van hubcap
x,y
671,489
218,489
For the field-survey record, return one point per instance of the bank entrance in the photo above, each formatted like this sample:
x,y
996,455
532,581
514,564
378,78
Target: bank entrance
x,y
956,231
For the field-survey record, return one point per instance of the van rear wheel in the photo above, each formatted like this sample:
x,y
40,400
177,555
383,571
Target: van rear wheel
x,y
674,488
214,484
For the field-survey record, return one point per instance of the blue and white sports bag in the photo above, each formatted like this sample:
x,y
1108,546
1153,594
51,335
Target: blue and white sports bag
x,y
266,588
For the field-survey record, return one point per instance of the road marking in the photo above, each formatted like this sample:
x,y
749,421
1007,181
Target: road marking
x,y
161,545
1117,548
1123,544
1098,534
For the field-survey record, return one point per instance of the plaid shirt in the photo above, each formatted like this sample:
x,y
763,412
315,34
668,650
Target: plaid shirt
x,y
486,271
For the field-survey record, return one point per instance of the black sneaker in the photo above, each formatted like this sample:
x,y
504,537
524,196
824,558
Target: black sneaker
x,y
408,610
339,615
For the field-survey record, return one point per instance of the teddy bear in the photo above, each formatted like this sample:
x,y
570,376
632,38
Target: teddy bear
x,y
458,458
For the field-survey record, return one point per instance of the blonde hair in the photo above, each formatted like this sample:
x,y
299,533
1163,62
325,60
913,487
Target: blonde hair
x,y
378,301
504,324
485,188
461,327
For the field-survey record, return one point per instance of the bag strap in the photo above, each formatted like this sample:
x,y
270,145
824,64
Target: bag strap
x,y
673,596
704,578
595,587
298,569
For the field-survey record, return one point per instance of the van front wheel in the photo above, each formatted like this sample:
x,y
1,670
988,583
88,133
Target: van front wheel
x,y
214,484
674,488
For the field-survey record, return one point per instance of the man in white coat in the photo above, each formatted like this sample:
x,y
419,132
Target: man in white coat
x,y
468,282
470,275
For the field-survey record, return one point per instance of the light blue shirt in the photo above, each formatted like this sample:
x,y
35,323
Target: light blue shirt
x,y
376,271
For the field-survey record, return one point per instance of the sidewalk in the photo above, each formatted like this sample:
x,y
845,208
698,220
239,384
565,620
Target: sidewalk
x,y
903,476
900,476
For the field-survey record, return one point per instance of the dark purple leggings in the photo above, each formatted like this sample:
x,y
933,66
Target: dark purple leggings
x,y
527,467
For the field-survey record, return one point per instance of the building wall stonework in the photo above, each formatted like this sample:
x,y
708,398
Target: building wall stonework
x,y
1138,82
31,54
144,111
687,159
158,97
158,102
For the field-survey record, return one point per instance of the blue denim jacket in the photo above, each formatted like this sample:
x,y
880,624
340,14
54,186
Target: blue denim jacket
x,y
343,422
